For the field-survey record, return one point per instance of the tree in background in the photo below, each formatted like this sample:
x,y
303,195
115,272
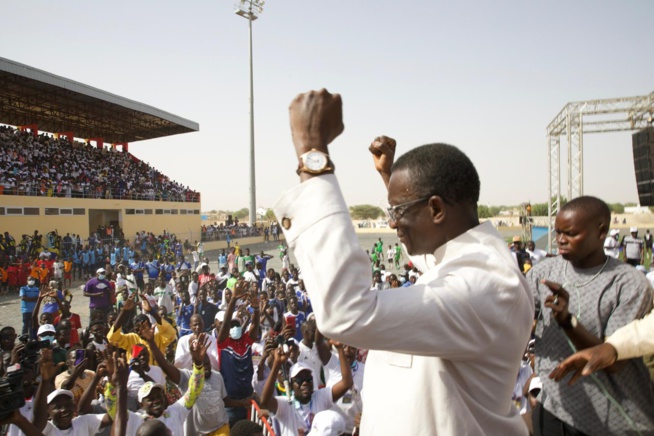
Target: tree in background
x,y
365,212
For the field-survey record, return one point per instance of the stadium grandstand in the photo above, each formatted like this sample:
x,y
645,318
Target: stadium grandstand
x,y
65,160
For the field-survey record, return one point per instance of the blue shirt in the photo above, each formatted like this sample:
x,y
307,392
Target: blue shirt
x,y
135,266
153,269
184,318
29,292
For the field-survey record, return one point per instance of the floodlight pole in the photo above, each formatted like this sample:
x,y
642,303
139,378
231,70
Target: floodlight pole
x,y
250,9
253,186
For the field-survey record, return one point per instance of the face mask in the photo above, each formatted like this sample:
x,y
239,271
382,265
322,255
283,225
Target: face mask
x,y
30,283
48,338
101,276
235,333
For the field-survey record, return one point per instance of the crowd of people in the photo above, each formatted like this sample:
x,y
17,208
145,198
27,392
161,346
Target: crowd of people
x,y
478,336
190,346
54,167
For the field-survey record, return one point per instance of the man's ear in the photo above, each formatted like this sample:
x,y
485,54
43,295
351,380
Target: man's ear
x,y
438,209
603,231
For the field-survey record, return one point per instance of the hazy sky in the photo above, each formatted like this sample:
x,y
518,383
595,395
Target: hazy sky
x,y
486,76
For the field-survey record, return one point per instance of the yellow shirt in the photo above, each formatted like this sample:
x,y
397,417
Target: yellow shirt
x,y
164,336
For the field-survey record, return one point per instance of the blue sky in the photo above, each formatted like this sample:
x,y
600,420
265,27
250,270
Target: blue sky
x,y
485,76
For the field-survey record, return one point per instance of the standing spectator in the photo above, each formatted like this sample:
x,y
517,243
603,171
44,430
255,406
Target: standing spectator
x,y
98,289
535,254
235,352
29,294
633,248
584,296
612,245
298,415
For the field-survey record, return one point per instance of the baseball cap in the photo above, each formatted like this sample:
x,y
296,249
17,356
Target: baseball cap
x,y
147,387
220,316
327,423
614,232
46,328
54,394
298,368
100,270
633,230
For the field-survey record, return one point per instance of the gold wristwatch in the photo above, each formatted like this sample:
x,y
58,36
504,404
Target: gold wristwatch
x,y
315,162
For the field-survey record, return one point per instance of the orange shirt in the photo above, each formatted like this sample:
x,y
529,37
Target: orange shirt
x,y
68,266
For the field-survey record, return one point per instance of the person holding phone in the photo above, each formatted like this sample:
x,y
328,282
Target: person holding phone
x,y
77,378
294,317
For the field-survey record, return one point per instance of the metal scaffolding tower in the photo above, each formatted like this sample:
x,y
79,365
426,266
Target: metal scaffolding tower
x,y
575,120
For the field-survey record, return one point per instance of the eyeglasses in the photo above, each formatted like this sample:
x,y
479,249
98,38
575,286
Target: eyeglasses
x,y
300,380
396,212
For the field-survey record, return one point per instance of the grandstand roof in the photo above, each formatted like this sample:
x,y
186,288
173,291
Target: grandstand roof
x,y
32,96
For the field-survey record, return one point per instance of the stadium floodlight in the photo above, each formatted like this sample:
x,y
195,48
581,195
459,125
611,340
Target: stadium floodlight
x,y
251,9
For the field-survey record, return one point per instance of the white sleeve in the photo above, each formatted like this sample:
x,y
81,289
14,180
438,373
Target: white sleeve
x,y
634,339
443,311
182,354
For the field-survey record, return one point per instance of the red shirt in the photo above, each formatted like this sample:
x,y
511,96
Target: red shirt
x,y
75,323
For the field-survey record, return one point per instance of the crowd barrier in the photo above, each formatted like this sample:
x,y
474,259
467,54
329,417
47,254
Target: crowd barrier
x,y
257,416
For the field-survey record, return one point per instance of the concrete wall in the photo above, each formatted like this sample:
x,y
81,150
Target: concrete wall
x,y
80,216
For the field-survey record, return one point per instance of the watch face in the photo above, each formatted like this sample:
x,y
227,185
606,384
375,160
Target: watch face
x,y
315,161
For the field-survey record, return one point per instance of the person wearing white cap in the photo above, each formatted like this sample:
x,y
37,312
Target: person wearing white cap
x,y
612,245
59,406
633,248
152,397
297,412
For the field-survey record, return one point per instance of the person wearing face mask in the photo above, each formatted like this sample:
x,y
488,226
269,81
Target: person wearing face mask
x,y
28,296
98,289
235,351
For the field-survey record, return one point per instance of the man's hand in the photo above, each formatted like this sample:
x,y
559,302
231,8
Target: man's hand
x,y
48,368
240,289
558,301
280,356
147,334
121,370
383,154
80,368
316,120
129,303
199,349
145,304
585,362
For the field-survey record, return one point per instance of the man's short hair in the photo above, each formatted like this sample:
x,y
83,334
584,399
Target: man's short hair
x,y
443,170
152,427
245,428
593,207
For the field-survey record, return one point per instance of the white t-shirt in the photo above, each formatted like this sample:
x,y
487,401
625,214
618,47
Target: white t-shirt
x,y
294,416
27,412
134,382
310,357
83,425
537,255
183,358
208,414
173,417
192,291
349,404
